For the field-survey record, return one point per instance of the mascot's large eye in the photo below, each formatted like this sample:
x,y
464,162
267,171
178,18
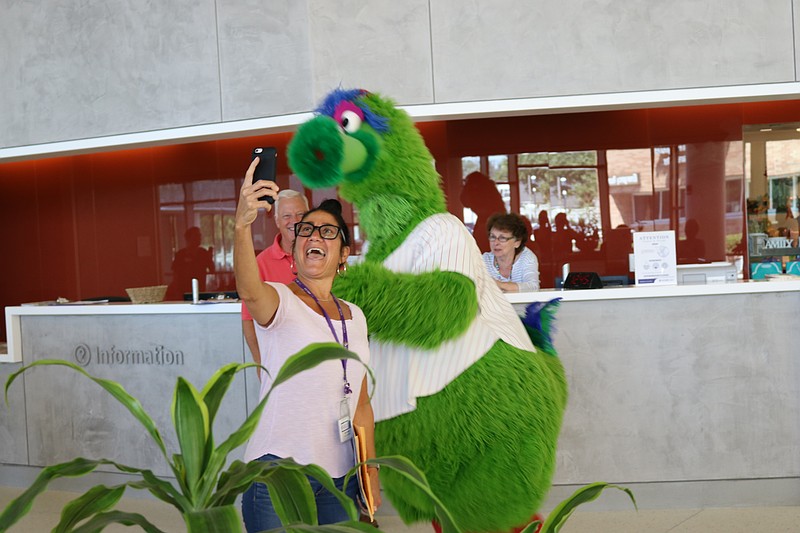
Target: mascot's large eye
x,y
350,121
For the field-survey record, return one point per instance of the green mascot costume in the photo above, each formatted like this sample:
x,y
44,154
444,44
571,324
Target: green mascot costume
x,y
460,388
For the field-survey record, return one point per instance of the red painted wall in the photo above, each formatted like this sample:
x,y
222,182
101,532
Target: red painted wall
x,y
87,225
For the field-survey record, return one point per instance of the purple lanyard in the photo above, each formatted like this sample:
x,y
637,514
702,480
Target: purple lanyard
x,y
347,389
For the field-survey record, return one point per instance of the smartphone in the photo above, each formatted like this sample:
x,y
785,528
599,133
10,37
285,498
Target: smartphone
x,y
266,167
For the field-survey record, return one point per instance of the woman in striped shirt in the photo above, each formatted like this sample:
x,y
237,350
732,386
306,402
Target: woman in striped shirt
x,y
513,266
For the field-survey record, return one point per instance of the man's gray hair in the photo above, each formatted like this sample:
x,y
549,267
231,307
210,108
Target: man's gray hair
x,y
289,193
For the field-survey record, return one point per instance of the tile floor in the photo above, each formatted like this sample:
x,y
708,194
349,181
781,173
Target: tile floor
x,y
45,512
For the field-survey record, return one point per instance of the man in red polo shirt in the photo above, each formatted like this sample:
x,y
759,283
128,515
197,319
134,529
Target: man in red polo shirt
x,y
275,262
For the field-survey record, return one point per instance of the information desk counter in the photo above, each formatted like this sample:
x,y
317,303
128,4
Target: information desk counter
x,y
56,414
690,395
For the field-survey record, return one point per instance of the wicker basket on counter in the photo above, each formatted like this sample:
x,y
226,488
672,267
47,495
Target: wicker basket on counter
x,y
147,295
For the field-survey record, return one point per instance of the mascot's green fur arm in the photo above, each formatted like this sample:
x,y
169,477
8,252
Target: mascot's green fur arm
x,y
421,310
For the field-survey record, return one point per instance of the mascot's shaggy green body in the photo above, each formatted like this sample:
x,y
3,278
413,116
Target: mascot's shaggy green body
x,y
486,438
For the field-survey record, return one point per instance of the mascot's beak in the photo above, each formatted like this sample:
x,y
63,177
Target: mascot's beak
x,y
355,154
321,154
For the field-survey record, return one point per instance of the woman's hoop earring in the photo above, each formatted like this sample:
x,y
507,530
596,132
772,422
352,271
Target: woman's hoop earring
x,y
293,267
342,268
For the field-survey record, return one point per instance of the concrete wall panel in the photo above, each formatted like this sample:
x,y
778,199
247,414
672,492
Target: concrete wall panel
x,y
265,61
679,389
69,416
511,49
381,46
72,70
92,69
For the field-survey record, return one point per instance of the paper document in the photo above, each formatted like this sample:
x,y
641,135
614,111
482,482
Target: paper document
x,y
362,474
655,258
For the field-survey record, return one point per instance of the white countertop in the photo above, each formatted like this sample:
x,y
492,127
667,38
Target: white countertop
x,y
14,328
13,314
162,308
655,291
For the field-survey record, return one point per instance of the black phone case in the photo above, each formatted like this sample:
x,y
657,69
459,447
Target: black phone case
x,y
266,167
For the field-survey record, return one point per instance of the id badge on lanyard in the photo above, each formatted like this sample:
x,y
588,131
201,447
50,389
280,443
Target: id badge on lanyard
x,y
344,423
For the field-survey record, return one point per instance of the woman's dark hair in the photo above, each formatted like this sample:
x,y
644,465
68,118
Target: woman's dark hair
x,y
333,207
510,222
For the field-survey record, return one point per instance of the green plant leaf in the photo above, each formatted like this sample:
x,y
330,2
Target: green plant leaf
x,y
99,521
178,467
213,394
97,499
234,470
199,465
218,385
224,519
292,496
350,526
309,357
273,473
163,490
215,388
160,488
318,473
112,387
19,506
321,475
220,454
240,476
190,416
409,470
237,479
587,493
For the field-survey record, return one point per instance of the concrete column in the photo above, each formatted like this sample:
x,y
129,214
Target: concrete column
x,y
705,194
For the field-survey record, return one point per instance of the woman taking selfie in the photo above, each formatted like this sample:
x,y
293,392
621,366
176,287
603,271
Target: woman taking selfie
x,y
301,417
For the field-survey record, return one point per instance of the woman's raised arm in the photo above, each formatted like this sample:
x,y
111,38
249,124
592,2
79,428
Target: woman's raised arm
x,y
261,299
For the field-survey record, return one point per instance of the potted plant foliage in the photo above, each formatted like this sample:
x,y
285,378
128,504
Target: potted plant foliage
x,y
558,516
205,491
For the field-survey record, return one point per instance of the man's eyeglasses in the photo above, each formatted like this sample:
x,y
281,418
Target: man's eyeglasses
x,y
326,231
501,238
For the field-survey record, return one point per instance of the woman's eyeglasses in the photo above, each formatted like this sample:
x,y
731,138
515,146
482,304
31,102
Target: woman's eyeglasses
x,y
326,231
501,238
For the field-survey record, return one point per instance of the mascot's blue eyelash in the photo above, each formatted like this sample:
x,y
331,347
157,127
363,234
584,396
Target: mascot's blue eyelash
x,y
328,106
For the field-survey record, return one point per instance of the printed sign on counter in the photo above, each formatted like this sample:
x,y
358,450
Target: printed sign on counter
x,y
655,258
